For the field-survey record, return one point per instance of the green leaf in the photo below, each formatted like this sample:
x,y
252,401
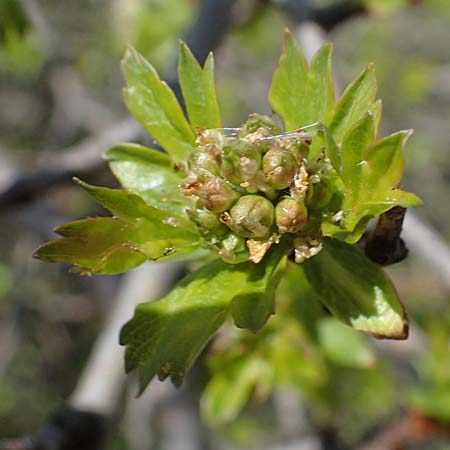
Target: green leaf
x,y
165,337
252,308
356,290
148,173
344,346
299,95
198,89
371,171
131,207
355,141
385,163
358,98
95,246
140,232
229,389
154,104
321,87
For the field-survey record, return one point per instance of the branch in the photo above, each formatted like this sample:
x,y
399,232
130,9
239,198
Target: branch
x,y
384,245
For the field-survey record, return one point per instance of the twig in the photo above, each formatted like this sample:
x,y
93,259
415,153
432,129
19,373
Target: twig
x,y
384,244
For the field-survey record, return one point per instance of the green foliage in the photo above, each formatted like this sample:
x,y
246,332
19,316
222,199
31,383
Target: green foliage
x,y
199,90
356,290
20,54
154,104
252,196
432,395
300,95
165,337
113,245
147,173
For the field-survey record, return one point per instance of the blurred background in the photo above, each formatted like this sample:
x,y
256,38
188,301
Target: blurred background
x,y
297,387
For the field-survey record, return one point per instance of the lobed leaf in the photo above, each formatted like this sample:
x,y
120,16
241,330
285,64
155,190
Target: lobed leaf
x,y
94,246
113,245
198,89
154,104
252,308
148,173
357,99
385,163
132,208
356,290
299,95
355,141
165,337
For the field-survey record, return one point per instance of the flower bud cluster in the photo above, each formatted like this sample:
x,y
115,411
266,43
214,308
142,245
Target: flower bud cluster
x,y
248,188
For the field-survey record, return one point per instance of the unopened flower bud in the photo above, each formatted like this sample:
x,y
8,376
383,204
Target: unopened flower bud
x,y
217,194
207,222
240,163
319,194
290,215
252,216
209,136
206,158
279,166
233,249
257,121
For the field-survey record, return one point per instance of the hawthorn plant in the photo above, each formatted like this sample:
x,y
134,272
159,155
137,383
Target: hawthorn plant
x,y
288,194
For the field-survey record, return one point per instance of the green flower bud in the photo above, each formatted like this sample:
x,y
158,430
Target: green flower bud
x,y
252,216
210,136
217,194
290,215
257,121
240,163
279,166
208,223
319,194
206,158
233,249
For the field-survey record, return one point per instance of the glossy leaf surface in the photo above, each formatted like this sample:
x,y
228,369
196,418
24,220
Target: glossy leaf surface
x,y
199,92
154,104
302,95
165,337
356,290
148,173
